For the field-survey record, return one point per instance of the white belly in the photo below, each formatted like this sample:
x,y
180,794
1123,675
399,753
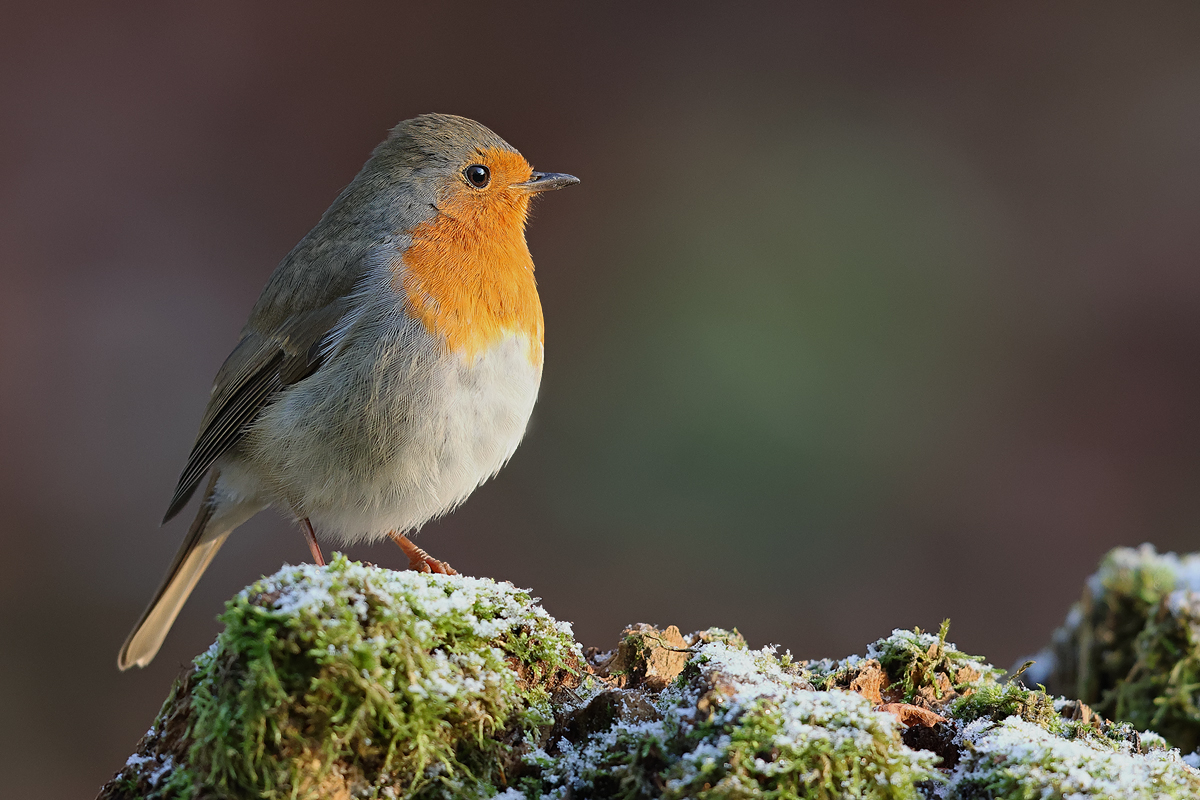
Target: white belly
x,y
388,434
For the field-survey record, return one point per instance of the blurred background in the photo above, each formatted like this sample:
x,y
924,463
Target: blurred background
x,y
861,318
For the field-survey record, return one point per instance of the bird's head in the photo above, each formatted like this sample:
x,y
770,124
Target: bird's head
x,y
467,271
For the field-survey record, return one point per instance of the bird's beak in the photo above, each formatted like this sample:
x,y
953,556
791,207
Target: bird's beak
x,y
547,182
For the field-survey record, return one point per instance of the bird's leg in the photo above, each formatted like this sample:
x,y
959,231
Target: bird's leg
x,y
418,559
310,536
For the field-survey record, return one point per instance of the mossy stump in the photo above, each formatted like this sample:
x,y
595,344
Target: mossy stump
x,y
1130,647
354,681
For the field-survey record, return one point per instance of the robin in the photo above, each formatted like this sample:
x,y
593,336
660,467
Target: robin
x,y
388,368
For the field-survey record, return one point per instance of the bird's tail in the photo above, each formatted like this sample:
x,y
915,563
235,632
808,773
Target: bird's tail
x,y
203,541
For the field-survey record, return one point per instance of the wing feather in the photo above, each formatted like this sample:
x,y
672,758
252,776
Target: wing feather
x,y
257,370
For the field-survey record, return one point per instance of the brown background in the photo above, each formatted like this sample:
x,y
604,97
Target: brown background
x,y
861,318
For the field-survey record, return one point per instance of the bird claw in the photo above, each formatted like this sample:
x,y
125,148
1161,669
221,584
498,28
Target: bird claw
x,y
419,560
430,564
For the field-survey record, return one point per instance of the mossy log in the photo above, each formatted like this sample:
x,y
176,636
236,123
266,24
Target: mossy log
x,y
354,681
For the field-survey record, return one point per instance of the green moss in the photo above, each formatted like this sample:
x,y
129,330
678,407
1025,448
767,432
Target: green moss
x,y
352,681
1123,595
1131,646
806,744
1019,760
1000,701
398,678
731,638
181,784
1136,576
740,723
624,762
916,661
1161,689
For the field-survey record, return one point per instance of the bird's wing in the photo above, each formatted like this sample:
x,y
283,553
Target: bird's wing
x,y
308,293
256,371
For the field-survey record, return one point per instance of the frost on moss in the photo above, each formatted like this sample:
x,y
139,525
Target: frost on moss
x,y
359,680
742,723
1131,646
999,739
920,668
737,723
1018,759
354,681
777,736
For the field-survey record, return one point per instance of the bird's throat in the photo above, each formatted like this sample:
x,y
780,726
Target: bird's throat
x,y
468,276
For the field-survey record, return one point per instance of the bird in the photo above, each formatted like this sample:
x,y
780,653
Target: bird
x,y
389,367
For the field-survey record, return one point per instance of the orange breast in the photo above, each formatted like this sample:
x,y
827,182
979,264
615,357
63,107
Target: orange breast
x,y
468,274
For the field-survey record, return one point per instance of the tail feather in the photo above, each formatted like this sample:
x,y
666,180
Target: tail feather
x,y
193,557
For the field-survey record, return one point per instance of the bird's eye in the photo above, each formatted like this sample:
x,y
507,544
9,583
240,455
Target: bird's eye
x,y
477,175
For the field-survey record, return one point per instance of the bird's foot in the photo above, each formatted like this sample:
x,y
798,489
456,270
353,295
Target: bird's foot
x,y
419,560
